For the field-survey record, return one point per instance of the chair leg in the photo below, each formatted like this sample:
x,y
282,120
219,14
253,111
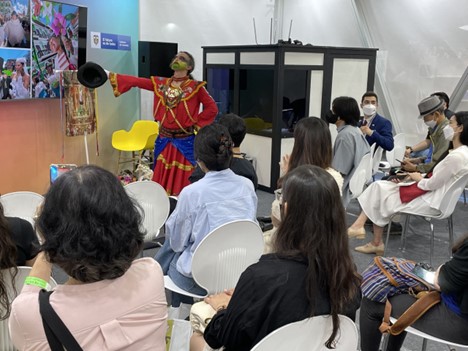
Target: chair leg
x,y
424,345
450,227
384,342
118,162
403,233
432,242
389,225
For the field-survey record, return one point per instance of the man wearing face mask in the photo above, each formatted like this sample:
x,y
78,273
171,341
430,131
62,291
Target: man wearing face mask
x,y
177,102
431,110
376,128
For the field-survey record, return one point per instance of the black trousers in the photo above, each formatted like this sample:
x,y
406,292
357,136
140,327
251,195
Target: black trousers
x,y
439,321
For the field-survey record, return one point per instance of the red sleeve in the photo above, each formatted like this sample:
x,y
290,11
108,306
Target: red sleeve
x,y
210,110
121,83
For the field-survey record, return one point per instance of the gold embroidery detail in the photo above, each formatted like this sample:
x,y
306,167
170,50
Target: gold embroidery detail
x,y
172,164
115,85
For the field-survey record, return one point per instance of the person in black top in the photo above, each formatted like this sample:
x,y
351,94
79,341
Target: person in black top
x,y
18,247
447,320
310,273
239,164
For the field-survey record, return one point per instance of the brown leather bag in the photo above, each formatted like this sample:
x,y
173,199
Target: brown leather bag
x,y
425,300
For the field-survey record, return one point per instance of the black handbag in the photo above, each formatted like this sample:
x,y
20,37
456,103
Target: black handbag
x,y
57,333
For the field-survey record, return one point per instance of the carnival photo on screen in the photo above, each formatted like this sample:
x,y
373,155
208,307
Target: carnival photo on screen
x,y
15,41
55,45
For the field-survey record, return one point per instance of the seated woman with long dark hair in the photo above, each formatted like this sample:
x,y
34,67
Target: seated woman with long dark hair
x,y
18,247
91,230
447,320
312,146
310,273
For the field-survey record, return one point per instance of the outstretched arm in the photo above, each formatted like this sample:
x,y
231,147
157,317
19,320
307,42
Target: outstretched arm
x,y
121,83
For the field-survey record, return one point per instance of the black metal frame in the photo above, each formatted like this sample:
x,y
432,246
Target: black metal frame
x,y
330,53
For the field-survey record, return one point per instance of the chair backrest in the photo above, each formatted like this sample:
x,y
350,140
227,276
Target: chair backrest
x,y
451,196
140,137
154,202
21,204
376,158
310,334
146,130
23,272
225,253
398,152
361,176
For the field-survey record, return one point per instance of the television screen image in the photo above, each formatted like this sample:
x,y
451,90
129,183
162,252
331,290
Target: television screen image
x,y
15,24
55,45
15,78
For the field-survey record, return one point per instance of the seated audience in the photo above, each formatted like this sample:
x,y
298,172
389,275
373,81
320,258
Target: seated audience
x,y
91,230
447,320
313,146
431,110
219,197
381,200
301,279
350,144
18,247
376,128
239,164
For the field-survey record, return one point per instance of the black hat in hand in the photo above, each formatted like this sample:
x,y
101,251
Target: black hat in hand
x,y
91,75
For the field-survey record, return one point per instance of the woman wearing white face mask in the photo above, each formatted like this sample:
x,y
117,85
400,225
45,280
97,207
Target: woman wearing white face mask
x,y
382,199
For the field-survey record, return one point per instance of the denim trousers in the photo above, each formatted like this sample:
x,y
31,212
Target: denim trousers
x,y
167,259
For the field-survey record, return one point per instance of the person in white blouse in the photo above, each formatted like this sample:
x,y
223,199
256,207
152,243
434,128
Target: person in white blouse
x,y
381,199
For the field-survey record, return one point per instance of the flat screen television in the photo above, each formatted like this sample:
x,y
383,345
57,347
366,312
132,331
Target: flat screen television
x,y
37,40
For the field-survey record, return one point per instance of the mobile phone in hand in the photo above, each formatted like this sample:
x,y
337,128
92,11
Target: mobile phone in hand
x,y
398,160
426,275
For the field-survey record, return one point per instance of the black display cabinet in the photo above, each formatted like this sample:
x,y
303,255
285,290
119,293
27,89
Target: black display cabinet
x,y
274,86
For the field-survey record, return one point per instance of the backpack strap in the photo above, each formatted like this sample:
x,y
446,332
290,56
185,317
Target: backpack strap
x,y
56,331
425,300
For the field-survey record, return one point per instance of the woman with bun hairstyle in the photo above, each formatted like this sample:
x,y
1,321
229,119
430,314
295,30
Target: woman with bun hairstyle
x,y
219,197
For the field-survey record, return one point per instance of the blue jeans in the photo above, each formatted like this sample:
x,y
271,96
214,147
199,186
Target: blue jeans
x,y
167,258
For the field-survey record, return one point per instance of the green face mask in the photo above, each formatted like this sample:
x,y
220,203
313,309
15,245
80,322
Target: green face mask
x,y
179,66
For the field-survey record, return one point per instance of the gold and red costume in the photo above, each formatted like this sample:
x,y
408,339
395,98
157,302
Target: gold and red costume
x,y
176,108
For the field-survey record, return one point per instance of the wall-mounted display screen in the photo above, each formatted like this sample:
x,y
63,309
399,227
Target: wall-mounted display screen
x,y
37,40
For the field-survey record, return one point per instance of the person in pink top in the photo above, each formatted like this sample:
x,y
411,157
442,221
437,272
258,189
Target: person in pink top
x,y
91,230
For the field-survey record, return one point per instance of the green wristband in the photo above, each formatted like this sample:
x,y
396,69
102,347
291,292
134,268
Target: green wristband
x,y
36,282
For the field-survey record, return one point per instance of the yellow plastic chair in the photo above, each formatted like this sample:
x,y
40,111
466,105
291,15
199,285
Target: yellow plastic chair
x,y
139,139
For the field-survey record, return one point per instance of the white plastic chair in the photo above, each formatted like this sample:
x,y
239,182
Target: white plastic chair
x,y
376,158
447,206
222,256
398,152
154,201
361,176
21,204
310,334
23,272
426,337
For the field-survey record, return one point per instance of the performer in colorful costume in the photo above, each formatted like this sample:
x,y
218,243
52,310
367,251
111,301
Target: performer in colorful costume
x,y
176,107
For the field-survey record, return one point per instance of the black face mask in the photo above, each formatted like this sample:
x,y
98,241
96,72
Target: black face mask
x,y
330,117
